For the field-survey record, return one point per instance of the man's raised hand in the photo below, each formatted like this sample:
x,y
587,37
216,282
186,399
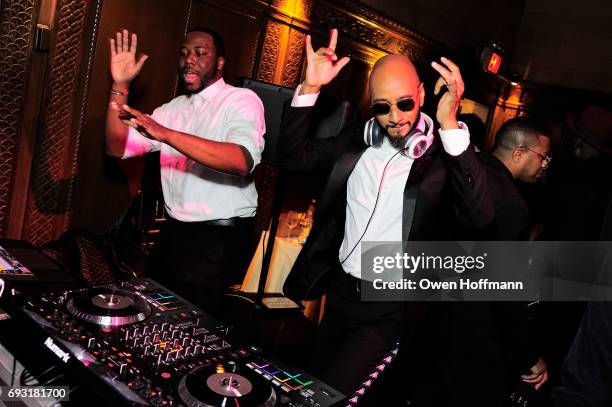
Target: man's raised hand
x,y
450,77
123,64
323,65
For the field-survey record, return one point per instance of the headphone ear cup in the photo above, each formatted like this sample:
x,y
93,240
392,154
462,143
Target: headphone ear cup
x,y
418,141
417,145
373,134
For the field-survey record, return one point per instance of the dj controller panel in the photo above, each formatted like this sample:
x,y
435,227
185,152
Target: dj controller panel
x,y
145,345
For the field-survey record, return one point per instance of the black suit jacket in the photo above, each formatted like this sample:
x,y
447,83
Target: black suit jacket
x,y
471,353
440,190
504,326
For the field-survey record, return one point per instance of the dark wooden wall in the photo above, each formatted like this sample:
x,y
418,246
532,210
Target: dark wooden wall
x,y
54,173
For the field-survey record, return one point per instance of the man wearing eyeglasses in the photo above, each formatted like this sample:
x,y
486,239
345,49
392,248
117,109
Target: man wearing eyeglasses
x,y
520,154
498,336
388,184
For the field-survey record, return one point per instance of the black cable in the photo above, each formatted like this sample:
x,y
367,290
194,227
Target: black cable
x,y
375,205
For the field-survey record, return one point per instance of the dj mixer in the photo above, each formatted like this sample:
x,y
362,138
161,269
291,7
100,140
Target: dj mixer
x,y
140,344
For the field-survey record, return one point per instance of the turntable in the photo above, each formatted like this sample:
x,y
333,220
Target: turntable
x,y
135,343
225,384
108,306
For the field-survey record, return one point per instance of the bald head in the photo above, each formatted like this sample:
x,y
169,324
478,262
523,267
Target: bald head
x,y
393,67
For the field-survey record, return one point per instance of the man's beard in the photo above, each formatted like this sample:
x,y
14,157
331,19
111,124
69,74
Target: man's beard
x,y
204,82
398,143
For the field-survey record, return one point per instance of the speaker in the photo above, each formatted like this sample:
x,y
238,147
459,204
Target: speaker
x,y
330,116
273,98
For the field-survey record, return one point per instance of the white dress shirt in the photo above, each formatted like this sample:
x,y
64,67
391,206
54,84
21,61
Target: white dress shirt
x,y
192,191
362,189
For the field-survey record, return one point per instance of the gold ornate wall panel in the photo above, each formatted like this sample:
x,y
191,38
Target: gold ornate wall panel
x,y
294,58
368,27
54,168
269,54
16,22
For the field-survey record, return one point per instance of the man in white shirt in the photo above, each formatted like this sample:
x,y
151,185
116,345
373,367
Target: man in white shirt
x,y
209,139
390,190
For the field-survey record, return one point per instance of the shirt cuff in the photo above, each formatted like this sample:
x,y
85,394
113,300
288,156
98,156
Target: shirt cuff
x,y
455,141
303,100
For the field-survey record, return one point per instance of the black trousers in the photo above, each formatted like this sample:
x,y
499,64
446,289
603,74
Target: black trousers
x,y
353,336
199,261
587,371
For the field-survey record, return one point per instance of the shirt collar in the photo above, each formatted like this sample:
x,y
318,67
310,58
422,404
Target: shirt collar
x,y
209,92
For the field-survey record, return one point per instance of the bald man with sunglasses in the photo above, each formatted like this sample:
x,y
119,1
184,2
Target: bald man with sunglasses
x,y
431,180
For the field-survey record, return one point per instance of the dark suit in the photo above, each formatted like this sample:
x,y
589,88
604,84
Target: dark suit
x,y
582,211
479,349
438,192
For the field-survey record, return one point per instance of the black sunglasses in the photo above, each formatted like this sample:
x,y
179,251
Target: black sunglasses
x,y
381,108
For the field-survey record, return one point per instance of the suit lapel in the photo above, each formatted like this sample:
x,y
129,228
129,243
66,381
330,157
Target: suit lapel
x,y
412,188
339,175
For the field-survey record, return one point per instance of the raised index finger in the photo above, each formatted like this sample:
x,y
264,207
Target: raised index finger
x,y
309,49
333,39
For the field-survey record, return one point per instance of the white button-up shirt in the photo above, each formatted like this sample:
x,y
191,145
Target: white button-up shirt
x,y
192,191
362,191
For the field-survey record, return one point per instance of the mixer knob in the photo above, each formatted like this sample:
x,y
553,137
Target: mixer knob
x,y
145,330
147,340
188,350
147,349
169,357
195,316
123,370
155,348
91,343
165,335
197,350
164,326
159,359
136,342
175,334
136,332
155,338
155,328
185,342
125,333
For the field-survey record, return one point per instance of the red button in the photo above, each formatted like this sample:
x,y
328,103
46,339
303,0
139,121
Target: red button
x,y
166,375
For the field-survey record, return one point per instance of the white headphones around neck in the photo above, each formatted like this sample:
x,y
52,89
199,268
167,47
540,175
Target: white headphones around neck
x,y
417,142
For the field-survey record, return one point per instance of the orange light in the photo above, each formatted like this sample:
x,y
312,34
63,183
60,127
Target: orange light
x,y
293,8
220,369
495,61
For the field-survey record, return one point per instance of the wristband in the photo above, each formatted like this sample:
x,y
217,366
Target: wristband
x,y
118,93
